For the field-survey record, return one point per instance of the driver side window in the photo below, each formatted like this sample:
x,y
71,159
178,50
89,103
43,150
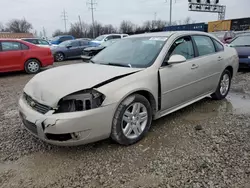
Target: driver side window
x,y
182,46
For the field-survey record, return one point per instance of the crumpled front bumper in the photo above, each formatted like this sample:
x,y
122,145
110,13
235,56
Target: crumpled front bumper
x,y
68,129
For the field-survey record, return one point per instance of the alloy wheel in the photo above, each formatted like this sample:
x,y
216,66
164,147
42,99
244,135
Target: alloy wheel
x,y
134,120
224,84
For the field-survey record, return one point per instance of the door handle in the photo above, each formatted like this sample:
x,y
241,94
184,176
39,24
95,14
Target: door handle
x,y
194,66
220,58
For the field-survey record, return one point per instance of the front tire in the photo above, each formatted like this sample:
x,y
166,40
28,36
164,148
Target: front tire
x,y
59,57
132,120
32,66
223,87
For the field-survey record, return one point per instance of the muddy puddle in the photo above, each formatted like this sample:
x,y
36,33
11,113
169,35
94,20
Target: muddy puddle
x,y
235,103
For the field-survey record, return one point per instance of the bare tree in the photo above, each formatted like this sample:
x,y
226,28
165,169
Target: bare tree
x,y
108,29
57,32
154,25
187,20
19,26
76,30
1,27
127,27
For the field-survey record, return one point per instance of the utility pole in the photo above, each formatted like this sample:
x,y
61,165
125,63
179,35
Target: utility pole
x,y
170,11
80,21
44,33
170,17
92,5
64,17
155,15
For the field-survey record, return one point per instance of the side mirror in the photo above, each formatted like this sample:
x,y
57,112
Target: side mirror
x,y
176,59
106,39
69,46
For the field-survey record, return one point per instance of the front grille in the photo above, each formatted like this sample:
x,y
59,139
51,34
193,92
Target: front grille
x,y
30,126
41,108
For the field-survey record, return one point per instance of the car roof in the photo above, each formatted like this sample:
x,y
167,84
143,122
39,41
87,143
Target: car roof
x,y
243,34
64,36
32,38
9,39
169,33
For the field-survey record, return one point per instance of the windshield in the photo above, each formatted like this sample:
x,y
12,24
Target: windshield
x,y
55,39
219,35
138,52
100,38
241,41
108,43
65,43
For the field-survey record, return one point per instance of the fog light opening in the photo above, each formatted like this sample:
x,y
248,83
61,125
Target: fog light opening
x,y
76,135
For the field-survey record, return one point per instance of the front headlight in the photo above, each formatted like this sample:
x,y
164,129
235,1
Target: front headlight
x,y
80,101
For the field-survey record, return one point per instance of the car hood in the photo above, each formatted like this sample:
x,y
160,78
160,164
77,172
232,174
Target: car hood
x,y
50,86
243,51
94,48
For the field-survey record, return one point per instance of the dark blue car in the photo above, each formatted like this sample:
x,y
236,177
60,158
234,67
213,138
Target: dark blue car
x,y
69,49
242,44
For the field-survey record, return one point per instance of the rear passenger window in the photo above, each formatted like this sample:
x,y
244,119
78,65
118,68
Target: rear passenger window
x,y
24,47
219,47
204,44
116,36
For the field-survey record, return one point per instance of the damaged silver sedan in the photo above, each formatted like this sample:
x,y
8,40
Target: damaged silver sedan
x,y
125,87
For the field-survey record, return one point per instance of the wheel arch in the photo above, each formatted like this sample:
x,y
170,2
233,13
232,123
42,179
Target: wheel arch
x,y
230,69
147,94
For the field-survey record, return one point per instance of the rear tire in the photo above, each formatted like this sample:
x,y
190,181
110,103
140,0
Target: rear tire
x,y
132,120
223,87
59,57
32,66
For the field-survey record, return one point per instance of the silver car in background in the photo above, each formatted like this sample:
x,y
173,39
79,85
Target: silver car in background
x,y
136,80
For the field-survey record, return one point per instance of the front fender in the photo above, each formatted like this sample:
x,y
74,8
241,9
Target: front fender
x,y
117,91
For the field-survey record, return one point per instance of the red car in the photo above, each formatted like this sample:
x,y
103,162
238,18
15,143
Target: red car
x,y
18,55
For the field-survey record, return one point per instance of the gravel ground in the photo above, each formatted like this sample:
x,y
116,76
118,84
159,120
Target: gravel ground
x,y
204,145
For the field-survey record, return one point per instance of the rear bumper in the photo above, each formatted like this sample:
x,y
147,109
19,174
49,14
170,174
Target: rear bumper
x,y
47,61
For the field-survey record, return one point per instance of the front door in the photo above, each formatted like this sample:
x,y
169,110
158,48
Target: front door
x,y
178,81
74,49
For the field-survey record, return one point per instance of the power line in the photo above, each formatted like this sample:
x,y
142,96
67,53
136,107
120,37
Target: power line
x,y
65,19
92,5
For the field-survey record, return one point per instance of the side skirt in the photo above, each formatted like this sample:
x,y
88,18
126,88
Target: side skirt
x,y
160,114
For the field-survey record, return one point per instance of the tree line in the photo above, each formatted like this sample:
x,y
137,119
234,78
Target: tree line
x,y
84,30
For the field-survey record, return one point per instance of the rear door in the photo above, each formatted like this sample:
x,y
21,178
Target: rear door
x,y
209,63
11,56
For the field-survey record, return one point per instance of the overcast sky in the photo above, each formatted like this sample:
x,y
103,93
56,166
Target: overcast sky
x,y
48,13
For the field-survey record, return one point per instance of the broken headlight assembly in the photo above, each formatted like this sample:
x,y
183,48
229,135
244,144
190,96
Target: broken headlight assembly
x,y
80,101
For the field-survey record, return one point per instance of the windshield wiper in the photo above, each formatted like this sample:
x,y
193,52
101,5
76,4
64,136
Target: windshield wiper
x,y
119,65
241,45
